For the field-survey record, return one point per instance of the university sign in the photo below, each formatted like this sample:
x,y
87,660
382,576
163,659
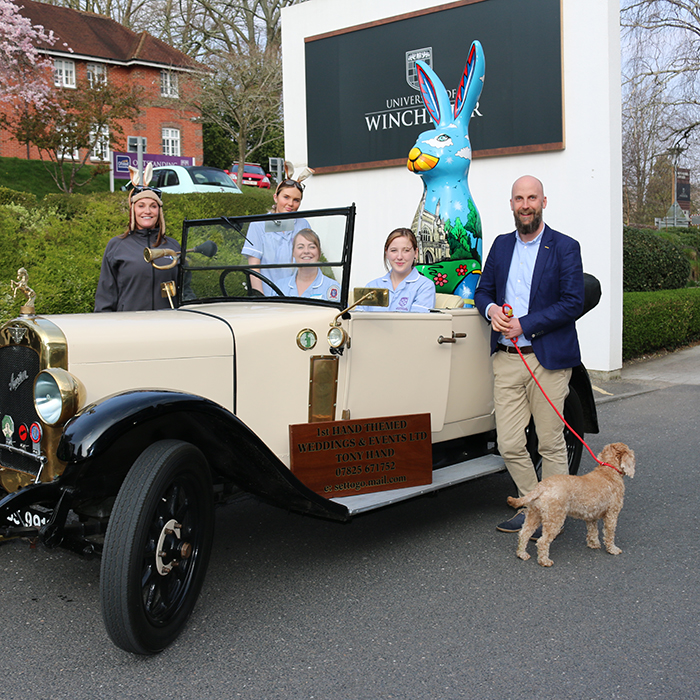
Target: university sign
x,y
364,108
122,161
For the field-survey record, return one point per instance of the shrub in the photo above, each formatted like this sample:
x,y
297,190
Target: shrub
x,y
8,196
688,240
61,241
656,320
652,263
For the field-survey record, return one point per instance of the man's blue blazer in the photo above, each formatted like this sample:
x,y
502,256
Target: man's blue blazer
x,y
556,296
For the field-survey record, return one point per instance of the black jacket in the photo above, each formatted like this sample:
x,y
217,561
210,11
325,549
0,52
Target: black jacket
x,y
127,282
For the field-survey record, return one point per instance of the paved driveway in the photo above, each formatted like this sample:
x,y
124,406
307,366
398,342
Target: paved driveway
x,y
421,600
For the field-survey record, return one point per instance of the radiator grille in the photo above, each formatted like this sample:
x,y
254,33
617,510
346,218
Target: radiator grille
x,y
19,366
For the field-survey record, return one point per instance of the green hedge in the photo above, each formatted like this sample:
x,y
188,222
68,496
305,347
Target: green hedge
x,y
8,196
652,262
656,320
60,241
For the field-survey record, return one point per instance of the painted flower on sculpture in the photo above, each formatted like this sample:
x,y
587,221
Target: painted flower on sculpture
x,y
462,270
440,279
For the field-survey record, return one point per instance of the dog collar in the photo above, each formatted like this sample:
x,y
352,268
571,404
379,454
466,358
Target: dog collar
x,y
605,464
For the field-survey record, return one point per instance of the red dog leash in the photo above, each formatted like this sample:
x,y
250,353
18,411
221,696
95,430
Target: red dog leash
x,y
508,311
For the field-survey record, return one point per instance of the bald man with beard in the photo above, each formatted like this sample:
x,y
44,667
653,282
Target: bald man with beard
x,y
538,272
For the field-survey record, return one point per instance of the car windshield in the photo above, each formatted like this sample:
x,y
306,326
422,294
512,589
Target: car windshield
x,y
211,176
303,257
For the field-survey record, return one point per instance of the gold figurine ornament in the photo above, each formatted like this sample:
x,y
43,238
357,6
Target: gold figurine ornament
x,y
27,309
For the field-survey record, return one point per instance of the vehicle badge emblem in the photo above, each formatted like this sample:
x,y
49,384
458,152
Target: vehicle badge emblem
x,y
426,55
16,382
35,437
17,333
8,429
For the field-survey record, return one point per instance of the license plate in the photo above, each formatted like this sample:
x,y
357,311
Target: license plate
x,y
28,517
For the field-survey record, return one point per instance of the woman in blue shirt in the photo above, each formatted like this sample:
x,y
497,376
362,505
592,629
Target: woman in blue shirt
x,y
408,289
308,282
270,242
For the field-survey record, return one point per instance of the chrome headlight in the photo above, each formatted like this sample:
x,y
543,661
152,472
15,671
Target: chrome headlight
x,y
337,337
58,395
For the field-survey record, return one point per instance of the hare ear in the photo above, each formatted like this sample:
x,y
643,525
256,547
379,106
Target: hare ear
x,y
134,176
147,174
472,81
306,172
288,169
433,92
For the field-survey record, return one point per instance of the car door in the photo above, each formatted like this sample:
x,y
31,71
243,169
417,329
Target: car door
x,y
396,364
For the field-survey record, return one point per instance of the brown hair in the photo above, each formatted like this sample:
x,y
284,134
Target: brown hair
x,y
309,235
400,233
289,182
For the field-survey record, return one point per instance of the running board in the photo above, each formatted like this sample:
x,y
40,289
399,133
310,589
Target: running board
x,y
446,476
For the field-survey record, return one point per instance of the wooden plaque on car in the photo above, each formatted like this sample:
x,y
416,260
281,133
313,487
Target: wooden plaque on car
x,y
347,458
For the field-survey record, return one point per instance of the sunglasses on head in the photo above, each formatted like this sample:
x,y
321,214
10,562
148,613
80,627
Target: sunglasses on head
x,y
145,188
290,183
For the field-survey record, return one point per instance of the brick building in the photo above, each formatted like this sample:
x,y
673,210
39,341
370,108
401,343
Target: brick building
x,y
95,47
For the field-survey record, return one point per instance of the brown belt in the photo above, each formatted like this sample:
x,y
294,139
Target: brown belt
x,y
525,349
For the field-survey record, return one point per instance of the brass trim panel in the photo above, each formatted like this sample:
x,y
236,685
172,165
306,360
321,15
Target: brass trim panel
x,y
41,335
323,387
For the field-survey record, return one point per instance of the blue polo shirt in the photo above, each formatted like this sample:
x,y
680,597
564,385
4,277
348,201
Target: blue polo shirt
x,y
415,293
321,288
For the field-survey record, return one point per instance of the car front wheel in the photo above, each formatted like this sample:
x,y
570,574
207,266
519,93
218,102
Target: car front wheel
x,y
157,547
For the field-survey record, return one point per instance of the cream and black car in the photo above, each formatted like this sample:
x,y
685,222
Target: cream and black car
x,y
123,430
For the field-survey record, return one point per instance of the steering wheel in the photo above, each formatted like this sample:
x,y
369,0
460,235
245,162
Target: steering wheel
x,y
251,291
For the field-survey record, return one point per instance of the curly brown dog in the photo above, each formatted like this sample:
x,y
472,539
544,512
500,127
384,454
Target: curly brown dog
x,y
598,494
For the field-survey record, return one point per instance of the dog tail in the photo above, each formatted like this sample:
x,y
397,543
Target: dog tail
x,y
519,502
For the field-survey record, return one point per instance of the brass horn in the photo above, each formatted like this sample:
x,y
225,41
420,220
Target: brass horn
x,y
152,254
207,248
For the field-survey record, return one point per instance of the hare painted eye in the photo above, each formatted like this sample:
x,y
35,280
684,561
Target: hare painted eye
x,y
442,141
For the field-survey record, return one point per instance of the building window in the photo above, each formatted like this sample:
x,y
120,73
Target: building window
x,y
63,73
171,142
96,74
169,84
132,144
100,141
65,152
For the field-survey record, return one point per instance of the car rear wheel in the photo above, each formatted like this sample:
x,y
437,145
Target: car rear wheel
x,y
573,413
157,547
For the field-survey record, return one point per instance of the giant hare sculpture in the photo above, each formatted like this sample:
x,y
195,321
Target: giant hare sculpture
x,y
447,223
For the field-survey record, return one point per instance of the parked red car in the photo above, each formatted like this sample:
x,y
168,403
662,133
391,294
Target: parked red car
x,y
253,175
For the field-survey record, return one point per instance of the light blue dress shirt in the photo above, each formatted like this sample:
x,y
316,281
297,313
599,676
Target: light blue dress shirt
x,y
519,283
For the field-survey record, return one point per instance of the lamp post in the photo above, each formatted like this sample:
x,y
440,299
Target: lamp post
x,y
674,152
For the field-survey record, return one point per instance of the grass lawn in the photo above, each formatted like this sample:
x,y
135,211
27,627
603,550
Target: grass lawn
x,y
32,176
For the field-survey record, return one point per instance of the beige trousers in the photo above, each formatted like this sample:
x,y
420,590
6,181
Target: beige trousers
x,y
516,398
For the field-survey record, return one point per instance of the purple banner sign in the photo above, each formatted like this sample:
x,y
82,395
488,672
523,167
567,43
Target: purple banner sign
x,y
122,161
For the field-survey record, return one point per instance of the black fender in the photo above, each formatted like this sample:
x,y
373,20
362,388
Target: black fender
x,y
100,444
46,494
581,382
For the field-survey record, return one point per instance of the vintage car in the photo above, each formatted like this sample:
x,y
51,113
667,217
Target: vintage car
x,y
122,430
